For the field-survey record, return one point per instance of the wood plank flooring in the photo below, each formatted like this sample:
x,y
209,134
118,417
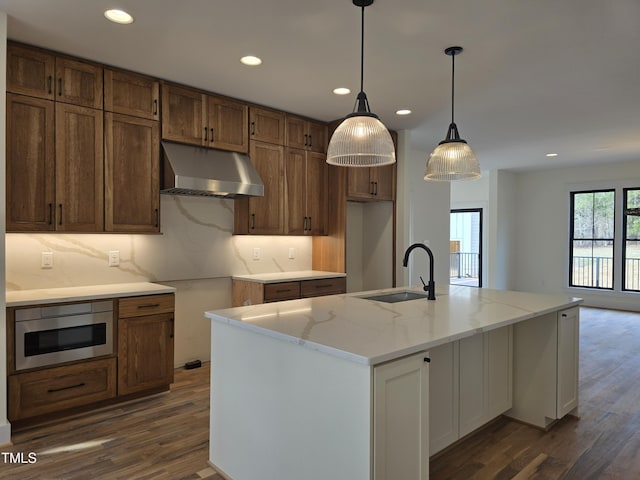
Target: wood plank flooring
x,y
166,436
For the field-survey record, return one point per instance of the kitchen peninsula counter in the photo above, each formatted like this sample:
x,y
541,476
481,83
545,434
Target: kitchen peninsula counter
x,y
351,388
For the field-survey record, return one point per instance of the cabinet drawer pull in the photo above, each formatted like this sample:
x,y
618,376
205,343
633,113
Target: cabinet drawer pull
x,y
326,285
60,219
375,188
55,390
310,141
149,305
306,140
212,137
49,84
155,107
206,131
253,128
283,290
309,223
60,86
51,214
427,360
253,221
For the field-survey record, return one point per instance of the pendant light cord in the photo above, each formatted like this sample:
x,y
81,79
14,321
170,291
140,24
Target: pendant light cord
x,y
362,52
453,74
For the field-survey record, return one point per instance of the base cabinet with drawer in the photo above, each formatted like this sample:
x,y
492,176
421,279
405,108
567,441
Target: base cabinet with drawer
x,y
248,292
145,343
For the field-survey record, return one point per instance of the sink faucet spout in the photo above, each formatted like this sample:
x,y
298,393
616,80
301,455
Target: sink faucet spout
x,y
430,287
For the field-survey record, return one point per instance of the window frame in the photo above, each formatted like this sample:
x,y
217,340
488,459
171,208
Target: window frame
x,y
625,238
572,239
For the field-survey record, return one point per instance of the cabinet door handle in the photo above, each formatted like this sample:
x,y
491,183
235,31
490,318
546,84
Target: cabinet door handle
x,y
60,218
54,390
427,360
172,324
375,188
206,131
60,86
51,214
564,315
371,190
212,137
309,224
49,83
310,141
157,217
253,221
155,107
283,290
253,128
306,140
325,285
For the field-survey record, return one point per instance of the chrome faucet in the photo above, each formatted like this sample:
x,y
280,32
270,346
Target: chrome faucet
x,y
430,286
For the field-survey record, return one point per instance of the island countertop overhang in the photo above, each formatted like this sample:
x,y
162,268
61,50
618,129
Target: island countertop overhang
x,y
370,332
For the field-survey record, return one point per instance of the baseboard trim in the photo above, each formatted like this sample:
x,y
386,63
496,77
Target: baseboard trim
x,y
5,434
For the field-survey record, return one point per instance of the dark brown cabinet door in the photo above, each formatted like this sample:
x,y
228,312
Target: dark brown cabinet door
x,y
183,115
30,164
30,71
266,214
384,179
296,191
132,177
228,124
79,169
266,125
317,193
78,83
318,133
131,94
359,184
145,353
306,134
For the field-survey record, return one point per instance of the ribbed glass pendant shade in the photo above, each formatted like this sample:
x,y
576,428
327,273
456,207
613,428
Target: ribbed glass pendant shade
x,y
452,161
361,141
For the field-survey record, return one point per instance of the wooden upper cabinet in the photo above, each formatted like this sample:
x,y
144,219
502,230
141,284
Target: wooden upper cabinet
x,y
371,183
132,174
191,116
228,123
306,134
131,94
30,71
266,125
183,114
266,214
79,169
306,192
30,164
78,83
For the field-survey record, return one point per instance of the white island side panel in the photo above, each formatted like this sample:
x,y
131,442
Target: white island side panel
x,y
283,412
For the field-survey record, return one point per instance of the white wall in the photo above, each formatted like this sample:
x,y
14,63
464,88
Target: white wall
x,y
5,428
196,253
541,260
423,214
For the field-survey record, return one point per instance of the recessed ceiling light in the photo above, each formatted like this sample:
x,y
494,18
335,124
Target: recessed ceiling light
x,y
552,155
404,111
118,16
251,60
341,91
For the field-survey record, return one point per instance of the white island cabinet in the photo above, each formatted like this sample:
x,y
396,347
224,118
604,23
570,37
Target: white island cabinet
x,y
348,388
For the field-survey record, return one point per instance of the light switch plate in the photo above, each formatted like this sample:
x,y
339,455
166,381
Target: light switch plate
x,y
292,253
114,258
46,260
256,253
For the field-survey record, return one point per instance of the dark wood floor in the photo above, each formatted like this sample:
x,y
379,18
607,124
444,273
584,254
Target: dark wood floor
x,y
166,436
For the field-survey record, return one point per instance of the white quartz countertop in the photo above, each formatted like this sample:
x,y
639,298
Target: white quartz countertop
x,y
372,332
287,276
17,298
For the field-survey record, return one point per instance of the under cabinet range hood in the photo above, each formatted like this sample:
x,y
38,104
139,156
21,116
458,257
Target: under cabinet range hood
x,y
190,170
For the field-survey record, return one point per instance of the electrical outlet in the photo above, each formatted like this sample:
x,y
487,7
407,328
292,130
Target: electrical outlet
x,y
256,253
292,253
46,260
114,258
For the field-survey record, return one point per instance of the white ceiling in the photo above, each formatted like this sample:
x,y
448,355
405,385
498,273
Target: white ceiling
x,y
536,76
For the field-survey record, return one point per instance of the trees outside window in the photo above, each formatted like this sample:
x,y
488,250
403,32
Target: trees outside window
x,y
631,242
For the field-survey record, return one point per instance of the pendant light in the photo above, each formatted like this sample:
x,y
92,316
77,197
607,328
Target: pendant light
x,y
452,159
361,140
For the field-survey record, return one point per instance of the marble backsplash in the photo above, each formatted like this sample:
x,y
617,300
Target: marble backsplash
x,y
196,243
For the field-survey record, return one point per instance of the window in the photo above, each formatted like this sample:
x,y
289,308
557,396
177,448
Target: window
x,y
631,242
592,239
465,247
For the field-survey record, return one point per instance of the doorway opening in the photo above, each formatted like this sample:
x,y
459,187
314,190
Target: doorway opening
x,y
465,247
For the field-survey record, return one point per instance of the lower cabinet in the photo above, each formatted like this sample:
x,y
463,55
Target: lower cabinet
x,y
53,389
470,383
546,367
145,343
247,292
401,419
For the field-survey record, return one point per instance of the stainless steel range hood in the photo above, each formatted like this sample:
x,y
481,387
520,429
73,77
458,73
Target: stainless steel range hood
x,y
189,170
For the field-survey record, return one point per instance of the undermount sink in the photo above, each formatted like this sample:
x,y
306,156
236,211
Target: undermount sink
x,y
396,297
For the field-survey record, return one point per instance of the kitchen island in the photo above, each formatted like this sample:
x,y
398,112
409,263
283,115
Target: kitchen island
x,y
339,387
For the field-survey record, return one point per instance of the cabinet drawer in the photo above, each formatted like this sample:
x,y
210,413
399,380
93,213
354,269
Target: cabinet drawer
x,y
53,389
146,305
274,292
324,286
